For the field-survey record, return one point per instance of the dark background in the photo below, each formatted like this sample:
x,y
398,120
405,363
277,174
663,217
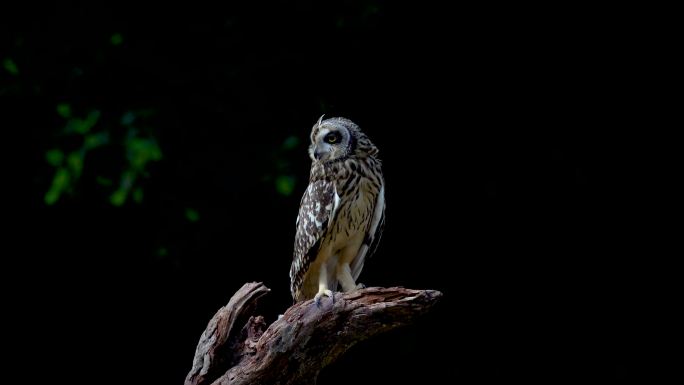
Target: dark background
x,y
168,157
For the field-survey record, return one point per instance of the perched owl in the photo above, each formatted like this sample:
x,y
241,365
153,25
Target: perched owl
x,y
342,212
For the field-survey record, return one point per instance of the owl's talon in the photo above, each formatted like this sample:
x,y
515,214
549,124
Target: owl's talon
x,y
325,293
360,286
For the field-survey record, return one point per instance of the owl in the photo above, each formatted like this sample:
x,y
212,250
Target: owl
x,y
342,212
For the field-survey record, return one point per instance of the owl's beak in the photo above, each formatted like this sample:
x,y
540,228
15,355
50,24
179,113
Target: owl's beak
x,y
317,153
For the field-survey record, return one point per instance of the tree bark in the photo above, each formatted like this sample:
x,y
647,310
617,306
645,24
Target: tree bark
x,y
237,348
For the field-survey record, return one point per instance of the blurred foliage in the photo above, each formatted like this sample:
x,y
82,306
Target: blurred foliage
x,y
285,184
64,110
10,66
69,167
129,127
139,150
116,39
192,215
283,176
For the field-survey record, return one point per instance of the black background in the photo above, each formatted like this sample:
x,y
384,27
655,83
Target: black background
x,y
490,123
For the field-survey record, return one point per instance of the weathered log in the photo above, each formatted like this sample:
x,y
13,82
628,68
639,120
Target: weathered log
x,y
237,349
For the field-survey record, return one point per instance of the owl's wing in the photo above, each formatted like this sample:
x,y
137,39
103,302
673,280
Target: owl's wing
x,y
375,240
373,235
315,212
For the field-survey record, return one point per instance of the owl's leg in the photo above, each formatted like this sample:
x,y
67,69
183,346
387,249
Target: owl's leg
x,y
344,275
323,290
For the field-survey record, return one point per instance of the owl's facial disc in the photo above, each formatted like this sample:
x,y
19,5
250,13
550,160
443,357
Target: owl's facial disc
x,y
330,144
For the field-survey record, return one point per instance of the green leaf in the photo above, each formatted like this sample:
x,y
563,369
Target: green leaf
x,y
64,110
138,195
96,140
192,215
118,198
54,157
128,118
90,120
290,143
127,179
75,162
141,151
285,184
82,126
116,39
52,196
10,66
59,184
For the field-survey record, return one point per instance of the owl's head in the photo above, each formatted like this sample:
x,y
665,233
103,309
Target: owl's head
x,y
337,139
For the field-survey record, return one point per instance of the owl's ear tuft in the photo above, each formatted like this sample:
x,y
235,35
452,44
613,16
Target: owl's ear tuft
x,y
320,120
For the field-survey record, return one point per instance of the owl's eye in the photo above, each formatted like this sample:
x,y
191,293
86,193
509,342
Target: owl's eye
x,y
332,138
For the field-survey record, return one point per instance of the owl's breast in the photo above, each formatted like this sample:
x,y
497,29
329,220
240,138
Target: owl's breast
x,y
354,214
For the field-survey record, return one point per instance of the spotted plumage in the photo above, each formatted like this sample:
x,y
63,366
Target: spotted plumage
x,y
342,212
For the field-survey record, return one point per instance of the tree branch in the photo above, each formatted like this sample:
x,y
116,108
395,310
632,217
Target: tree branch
x,y
237,349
